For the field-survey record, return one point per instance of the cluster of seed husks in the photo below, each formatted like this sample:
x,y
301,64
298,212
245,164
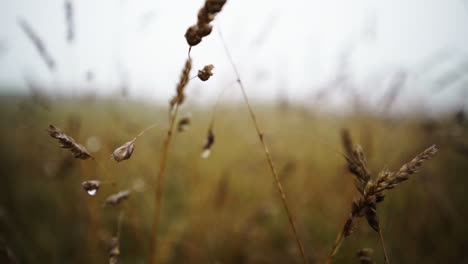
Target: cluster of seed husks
x,y
372,190
205,73
203,28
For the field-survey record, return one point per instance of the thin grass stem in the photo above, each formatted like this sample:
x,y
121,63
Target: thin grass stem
x,y
266,151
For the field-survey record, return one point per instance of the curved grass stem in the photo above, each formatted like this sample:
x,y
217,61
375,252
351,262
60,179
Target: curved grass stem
x,y
267,153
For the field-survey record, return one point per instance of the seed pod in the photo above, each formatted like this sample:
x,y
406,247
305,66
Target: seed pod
x,y
214,6
205,73
125,151
364,256
183,124
203,28
348,227
371,216
115,199
91,187
192,36
209,143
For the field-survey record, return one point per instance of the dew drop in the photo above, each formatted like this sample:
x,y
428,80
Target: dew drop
x,y
91,187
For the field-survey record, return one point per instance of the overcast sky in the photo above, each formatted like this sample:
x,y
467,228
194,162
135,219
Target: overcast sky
x,y
282,48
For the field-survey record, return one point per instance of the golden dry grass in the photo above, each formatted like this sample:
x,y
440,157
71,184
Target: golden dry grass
x,y
223,209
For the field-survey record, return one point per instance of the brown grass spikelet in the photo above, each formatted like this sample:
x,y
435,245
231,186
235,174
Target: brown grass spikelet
x,y
114,250
115,199
184,79
365,256
413,166
358,166
370,212
183,124
356,160
91,187
348,226
205,73
68,142
372,191
125,151
387,180
210,140
203,28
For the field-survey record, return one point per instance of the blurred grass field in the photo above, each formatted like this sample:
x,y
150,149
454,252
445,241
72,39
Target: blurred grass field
x,y
224,209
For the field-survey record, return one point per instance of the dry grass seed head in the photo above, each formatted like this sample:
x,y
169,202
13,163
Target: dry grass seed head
x,y
374,190
183,124
205,16
115,199
125,151
184,78
210,139
67,142
357,165
387,180
348,228
205,73
414,165
370,213
114,250
365,255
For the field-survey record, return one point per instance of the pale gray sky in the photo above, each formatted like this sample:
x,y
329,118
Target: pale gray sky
x,y
281,47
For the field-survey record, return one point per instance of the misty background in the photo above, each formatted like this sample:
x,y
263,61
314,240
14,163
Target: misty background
x,y
321,53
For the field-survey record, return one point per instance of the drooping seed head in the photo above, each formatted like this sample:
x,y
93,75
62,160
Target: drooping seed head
x,y
125,151
183,124
210,139
202,28
192,36
67,142
115,199
205,73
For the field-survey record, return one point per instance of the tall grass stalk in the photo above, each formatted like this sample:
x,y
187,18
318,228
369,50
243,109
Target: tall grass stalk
x,y
266,151
159,185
